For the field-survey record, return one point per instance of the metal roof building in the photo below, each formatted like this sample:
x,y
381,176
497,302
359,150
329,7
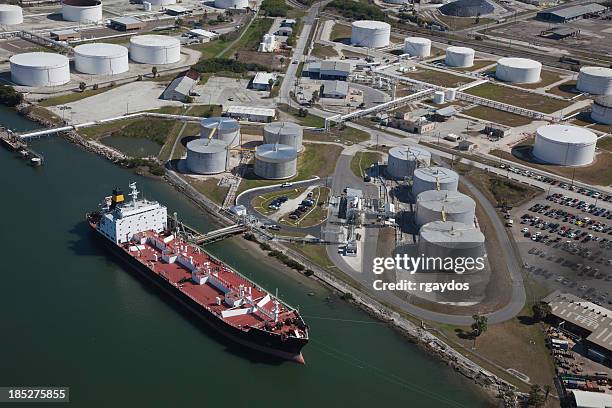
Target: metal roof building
x,y
588,399
335,89
180,88
127,23
563,14
261,81
328,70
252,114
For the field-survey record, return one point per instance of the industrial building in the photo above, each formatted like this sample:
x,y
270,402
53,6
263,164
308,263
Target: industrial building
x,y
251,114
268,43
335,89
460,57
404,160
595,80
101,59
220,128
176,11
565,14
590,399
328,70
181,87
275,161
370,33
467,8
284,31
10,14
286,133
417,47
518,70
497,131
65,35
40,69
202,35
206,156
82,11
127,24
443,205
231,4
442,239
263,81
418,125
155,49
565,145
602,110
434,178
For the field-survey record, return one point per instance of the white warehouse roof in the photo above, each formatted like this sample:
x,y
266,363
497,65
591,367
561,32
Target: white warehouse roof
x,y
263,78
203,33
586,399
249,110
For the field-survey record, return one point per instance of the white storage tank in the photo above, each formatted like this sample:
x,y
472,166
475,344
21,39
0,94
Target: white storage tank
x,y
404,160
518,70
370,33
287,133
438,97
565,145
595,80
442,239
82,11
231,4
101,59
275,161
10,14
40,69
440,205
161,2
221,128
602,110
207,156
417,47
450,94
434,178
155,49
460,57
147,6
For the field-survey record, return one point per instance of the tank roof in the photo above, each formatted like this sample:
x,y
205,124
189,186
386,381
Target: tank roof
x,y
597,71
9,7
154,40
604,100
434,174
409,152
519,62
39,60
450,232
207,146
221,123
467,8
417,40
371,24
283,127
101,50
451,201
460,50
275,153
567,134
82,3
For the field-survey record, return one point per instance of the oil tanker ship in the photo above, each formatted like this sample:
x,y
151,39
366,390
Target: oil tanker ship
x,y
238,308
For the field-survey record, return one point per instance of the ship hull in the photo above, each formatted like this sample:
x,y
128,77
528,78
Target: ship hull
x,y
256,339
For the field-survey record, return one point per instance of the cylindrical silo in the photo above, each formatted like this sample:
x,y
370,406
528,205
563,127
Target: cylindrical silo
x,y
287,133
101,59
450,94
370,33
82,11
10,14
404,160
442,205
275,161
155,49
602,110
518,70
221,128
417,47
434,178
460,57
565,145
40,69
438,97
450,239
207,156
231,4
595,80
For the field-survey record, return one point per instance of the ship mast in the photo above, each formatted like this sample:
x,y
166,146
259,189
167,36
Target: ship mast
x,y
134,193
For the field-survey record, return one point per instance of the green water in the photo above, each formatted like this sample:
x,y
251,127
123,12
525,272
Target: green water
x,y
71,316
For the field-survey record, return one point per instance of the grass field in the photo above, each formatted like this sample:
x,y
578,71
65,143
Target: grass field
x,y
497,116
478,64
519,98
211,49
546,78
324,51
566,89
73,97
260,203
438,77
316,215
340,32
252,37
362,161
210,189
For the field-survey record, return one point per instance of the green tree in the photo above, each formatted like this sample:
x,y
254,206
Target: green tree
x,y
540,311
547,390
479,326
535,398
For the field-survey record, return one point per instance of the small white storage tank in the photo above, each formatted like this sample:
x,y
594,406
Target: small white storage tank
x,y
417,47
207,156
518,70
275,161
434,178
101,59
460,57
231,4
82,11
226,129
147,6
442,239
450,94
602,110
565,145
438,97
595,80
162,2
404,160
370,33
440,205
155,49
40,69
287,133
10,14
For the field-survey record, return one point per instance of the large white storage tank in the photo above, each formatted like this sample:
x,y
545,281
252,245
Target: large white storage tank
x,y
10,14
155,49
440,205
101,59
287,133
565,145
370,33
404,160
82,11
226,129
161,2
434,178
602,110
207,156
417,46
275,161
518,70
40,69
460,57
231,4
442,239
595,80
